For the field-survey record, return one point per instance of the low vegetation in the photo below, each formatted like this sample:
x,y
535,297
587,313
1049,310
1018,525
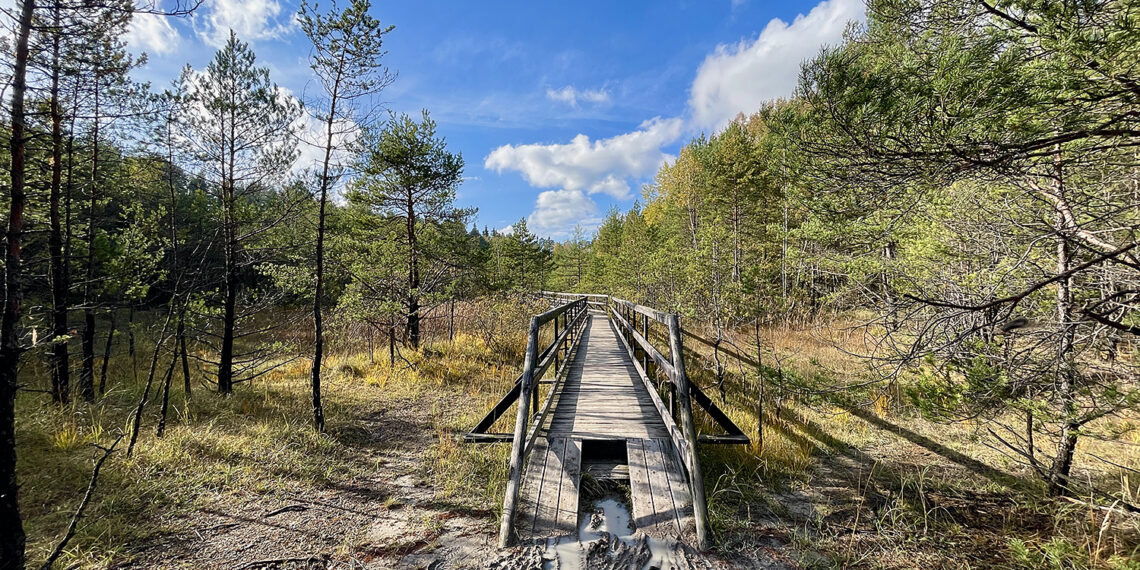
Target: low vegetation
x,y
830,484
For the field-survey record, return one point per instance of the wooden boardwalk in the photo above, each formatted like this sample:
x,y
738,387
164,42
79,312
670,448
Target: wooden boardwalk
x,y
605,417
603,403
602,396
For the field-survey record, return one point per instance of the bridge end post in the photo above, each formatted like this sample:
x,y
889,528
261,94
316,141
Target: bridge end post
x,y
700,507
514,477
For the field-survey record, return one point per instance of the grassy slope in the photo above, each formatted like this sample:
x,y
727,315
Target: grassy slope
x,y
879,487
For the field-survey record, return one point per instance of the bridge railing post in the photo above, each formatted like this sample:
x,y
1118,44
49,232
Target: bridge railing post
x,y
514,475
692,462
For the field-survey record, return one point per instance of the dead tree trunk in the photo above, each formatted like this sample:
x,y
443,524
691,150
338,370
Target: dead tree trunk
x,y
107,354
87,369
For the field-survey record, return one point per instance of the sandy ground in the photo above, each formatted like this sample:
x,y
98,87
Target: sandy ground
x,y
390,519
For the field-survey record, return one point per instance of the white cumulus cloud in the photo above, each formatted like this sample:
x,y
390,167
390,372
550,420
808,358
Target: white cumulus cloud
x,y
571,96
556,212
603,165
740,78
251,20
152,33
734,78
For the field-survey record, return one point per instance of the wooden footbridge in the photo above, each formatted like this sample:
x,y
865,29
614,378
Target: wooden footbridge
x,y
615,407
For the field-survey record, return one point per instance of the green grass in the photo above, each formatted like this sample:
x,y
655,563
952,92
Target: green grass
x,y
915,510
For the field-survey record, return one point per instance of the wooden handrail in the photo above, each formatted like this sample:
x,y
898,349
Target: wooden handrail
x,y
540,417
663,363
674,368
696,480
534,366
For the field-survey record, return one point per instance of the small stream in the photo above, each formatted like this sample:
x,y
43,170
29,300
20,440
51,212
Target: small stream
x,y
608,516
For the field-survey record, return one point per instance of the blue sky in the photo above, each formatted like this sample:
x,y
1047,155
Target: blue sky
x,y
561,110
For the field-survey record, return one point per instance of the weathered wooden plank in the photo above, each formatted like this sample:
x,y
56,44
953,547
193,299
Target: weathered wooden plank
x,y
602,395
679,489
546,511
530,496
571,486
663,523
640,493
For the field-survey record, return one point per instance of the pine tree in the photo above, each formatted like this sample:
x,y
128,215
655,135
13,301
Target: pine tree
x,y
408,174
240,130
347,47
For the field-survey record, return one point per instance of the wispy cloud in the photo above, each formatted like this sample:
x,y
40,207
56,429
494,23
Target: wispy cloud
x,y
557,212
739,78
251,20
571,96
152,33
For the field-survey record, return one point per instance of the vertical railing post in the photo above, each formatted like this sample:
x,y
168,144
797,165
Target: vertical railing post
x,y
673,399
645,353
514,476
557,344
693,465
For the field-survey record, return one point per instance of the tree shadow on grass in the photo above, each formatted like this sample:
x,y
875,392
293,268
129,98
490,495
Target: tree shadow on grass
x,y
975,466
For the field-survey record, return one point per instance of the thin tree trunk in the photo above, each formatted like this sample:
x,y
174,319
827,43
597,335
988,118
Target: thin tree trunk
x,y
131,344
107,354
61,390
759,390
1067,440
737,250
180,331
182,351
229,221
87,369
318,292
161,430
136,421
413,279
12,538
229,317
318,325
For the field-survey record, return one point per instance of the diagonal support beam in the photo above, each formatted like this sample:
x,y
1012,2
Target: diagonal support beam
x,y
717,415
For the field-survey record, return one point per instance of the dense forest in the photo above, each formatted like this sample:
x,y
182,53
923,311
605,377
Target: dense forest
x,y
947,209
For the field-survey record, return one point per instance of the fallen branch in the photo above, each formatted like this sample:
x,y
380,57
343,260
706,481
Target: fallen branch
x,y
1123,507
278,561
107,451
287,509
